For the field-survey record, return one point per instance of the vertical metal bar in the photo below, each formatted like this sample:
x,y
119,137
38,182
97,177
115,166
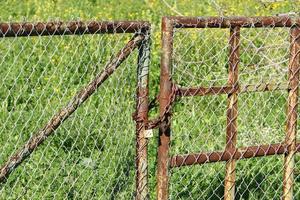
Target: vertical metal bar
x,y
142,191
291,126
164,100
232,111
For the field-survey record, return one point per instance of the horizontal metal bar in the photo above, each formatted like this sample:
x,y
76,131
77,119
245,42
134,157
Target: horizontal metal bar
x,y
227,22
70,28
216,90
218,156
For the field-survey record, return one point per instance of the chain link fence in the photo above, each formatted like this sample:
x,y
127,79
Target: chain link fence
x,y
236,98
74,110
80,145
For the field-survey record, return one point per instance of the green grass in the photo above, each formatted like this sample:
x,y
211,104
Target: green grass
x,y
91,156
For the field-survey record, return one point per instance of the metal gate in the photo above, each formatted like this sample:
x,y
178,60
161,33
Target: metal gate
x,y
52,65
81,143
234,88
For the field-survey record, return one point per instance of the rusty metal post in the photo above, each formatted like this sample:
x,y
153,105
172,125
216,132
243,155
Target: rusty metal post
x,y
291,127
142,191
164,100
232,111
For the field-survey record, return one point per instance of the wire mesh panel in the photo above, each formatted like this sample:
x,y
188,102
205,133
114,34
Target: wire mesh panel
x,y
47,75
236,82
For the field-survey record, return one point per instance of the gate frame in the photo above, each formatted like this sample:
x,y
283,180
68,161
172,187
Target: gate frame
x,y
232,89
53,28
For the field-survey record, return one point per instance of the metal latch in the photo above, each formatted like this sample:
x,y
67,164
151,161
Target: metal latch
x,y
148,133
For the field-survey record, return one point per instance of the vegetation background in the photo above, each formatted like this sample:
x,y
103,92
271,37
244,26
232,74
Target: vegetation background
x,y
91,156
